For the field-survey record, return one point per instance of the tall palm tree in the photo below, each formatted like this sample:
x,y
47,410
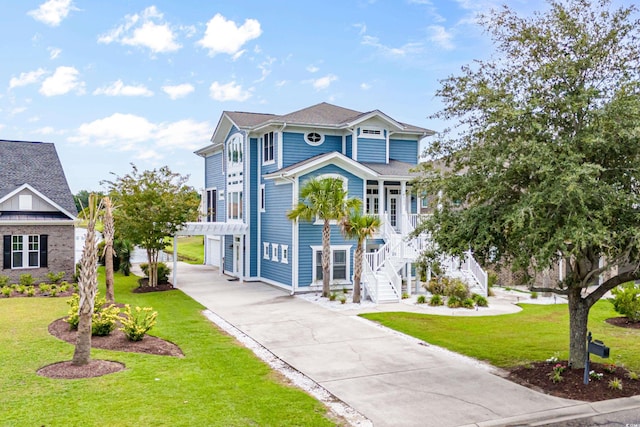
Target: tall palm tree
x,y
87,287
324,199
108,233
359,227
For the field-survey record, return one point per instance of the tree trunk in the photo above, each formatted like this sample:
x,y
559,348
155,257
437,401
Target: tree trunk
x,y
326,258
152,257
108,266
82,353
578,319
357,273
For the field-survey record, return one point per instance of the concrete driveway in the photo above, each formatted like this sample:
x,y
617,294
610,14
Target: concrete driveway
x,y
391,379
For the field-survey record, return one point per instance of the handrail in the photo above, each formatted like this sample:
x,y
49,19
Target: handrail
x,y
370,282
393,276
478,272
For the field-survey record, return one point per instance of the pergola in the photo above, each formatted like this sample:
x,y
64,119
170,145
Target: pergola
x,y
210,229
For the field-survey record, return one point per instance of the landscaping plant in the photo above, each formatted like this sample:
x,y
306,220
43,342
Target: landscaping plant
x,y
626,301
136,324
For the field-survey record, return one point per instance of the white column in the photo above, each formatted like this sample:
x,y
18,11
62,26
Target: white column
x,y
175,261
403,203
381,205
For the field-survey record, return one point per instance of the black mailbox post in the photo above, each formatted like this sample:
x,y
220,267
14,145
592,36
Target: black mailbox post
x,y
596,347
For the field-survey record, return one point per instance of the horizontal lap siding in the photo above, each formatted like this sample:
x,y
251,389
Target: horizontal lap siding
x,y
404,150
310,234
372,150
349,146
276,228
296,149
214,178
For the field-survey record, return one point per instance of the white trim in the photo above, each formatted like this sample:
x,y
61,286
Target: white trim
x,y
284,254
372,132
265,250
263,198
274,252
314,143
39,194
347,248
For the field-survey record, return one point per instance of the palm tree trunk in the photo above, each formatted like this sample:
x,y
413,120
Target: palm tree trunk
x,y
357,273
326,258
108,250
82,352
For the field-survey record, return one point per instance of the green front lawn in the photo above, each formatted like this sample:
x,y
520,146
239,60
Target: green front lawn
x,y
217,383
190,249
534,334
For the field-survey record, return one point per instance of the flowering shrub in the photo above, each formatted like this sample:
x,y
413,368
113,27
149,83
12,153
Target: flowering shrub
x,y
135,325
610,368
595,375
104,318
556,374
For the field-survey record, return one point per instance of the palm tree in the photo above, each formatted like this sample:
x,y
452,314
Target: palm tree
x,y
326,200
87,287
108,233
359,227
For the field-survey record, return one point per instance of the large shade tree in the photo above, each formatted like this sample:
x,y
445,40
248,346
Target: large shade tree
x,y
541,165
324,199
151,206
359,227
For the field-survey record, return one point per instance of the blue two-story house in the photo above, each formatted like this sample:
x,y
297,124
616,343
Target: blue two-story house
x,y
255,167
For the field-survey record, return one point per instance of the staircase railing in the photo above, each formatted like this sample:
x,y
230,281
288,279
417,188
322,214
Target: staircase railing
x,y
478,272
393,276
370,282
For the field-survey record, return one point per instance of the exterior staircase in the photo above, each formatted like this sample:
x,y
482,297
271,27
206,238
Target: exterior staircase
x,y
382,280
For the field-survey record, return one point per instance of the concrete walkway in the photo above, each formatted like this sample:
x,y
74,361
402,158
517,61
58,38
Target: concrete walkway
x,y
391,379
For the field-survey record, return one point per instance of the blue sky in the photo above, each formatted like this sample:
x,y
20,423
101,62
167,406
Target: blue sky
x,y
118,82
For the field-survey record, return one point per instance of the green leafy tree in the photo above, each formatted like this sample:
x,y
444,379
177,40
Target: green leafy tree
x,y
151,206
542,162
359,227
325,199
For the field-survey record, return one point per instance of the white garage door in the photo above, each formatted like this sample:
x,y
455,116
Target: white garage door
x,y
213,251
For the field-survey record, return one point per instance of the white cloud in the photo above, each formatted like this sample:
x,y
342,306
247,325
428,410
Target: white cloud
x,y
312,69
131,133
52,12
265,68
394,52
27,78
224,36
281,83
178,91
365,86
324,82
228,92
145,30
63,80
118,88
17,110
441,37
54,52
47,130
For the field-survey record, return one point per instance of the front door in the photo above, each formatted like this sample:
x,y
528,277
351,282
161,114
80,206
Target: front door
x,y
237,259
393,202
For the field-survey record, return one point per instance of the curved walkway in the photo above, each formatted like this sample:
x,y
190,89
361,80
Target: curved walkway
x,y
391,379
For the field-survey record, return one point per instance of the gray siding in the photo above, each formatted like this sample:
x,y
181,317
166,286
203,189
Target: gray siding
x,y
404,150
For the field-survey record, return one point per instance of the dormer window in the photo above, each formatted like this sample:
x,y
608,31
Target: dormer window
x,y
313,138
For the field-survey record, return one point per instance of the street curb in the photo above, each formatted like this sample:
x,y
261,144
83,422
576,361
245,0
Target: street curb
x,y
569,413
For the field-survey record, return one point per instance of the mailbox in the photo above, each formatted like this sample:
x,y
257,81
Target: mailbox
x,y
598,348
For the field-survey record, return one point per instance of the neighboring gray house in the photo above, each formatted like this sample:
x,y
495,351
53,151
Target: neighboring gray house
x,y
37,212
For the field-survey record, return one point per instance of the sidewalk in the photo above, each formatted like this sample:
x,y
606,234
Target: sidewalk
x,y
391,379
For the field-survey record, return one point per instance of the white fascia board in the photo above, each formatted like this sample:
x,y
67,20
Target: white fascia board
x,y
42,196
336,158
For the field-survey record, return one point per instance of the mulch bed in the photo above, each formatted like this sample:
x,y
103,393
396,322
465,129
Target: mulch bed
x,y
144,286
623,322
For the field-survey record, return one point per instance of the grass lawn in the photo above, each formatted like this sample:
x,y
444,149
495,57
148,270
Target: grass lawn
x,y
534,334
190,249
217,383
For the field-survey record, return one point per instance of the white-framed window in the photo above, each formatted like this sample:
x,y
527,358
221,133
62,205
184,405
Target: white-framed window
x,y
373,201
25,251
234,206
314,138
274,252
268,148
263,199
211,201
25,202
339,264
372,132
284,254
265,250
234,151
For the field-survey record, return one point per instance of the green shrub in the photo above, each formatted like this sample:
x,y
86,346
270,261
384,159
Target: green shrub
x,y
135,325
632,375
342,298
615,384
163,271
103,320
436,300
54,291
435,286
55,277
454,302
44,288
21,289
405,295
534,295
457,288
6,291
468,303
27,279
492,278
31,291
422,299
626,301
4,281
64,287
332,296
480,300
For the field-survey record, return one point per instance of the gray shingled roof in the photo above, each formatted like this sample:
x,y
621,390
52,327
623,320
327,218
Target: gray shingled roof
x,y
393,168
36,164
249,120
